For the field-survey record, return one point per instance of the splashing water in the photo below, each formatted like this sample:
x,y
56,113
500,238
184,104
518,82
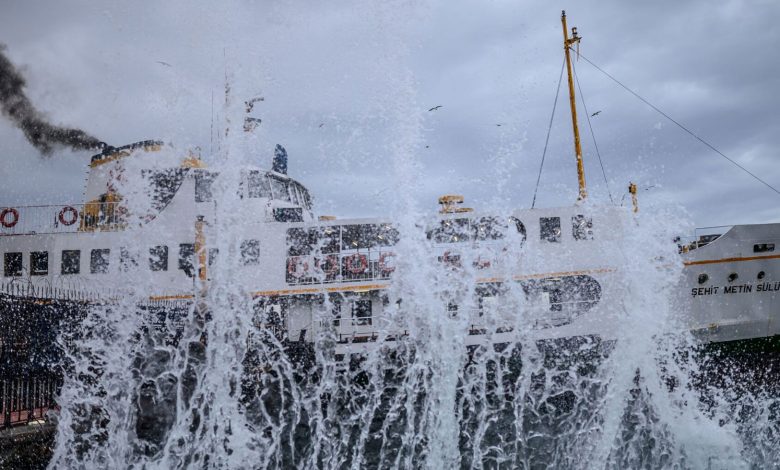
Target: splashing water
x,y
206,384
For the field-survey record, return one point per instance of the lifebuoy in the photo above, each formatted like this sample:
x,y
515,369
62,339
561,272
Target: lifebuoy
x,y
14,217
68,210
329,266
383,266
297,266
360,267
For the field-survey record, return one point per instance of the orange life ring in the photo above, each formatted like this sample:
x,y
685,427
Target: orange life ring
x,y
332,265
383,267
360,267
293,263
69,210
14,213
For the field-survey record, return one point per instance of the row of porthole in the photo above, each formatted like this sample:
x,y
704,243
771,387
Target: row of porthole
x,y
703,277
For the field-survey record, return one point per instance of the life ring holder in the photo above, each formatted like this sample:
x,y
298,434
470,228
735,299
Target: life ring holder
x,y
68,210
14,213
383,267
292,267
362,265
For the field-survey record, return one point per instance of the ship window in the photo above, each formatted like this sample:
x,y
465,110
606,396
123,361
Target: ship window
x,y
761,275
451,231
550,229
763,247
288,214
335,310
703,277
488,228
361,312
330,237
354,237
733,277
279,189
203,181
452,309
158,258
12,264
294,195
582,227
386,235
98,261
259,185
303,199
306,197
187,258
71,261
300,241
250,252
39,263
127,260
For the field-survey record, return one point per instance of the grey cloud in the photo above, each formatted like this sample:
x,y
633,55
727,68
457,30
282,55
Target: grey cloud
x,y
342,64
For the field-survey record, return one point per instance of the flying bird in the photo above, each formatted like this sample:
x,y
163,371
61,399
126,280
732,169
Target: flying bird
x,y
596,113
321,124
435,108
164,63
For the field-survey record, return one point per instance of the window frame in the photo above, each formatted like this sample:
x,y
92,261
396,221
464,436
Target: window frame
x,y
99,260
362,320
35,259
250,252
8,259
550,223
66,265
161,264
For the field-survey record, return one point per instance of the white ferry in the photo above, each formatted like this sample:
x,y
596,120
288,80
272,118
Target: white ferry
x,y
292,262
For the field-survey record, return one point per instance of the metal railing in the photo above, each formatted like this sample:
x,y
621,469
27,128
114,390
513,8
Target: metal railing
x,y
340,267
90,217
23,400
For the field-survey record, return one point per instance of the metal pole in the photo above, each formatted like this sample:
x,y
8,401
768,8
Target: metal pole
x,y
567,42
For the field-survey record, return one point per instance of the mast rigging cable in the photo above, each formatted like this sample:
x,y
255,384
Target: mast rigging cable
x,y
680,125
549,128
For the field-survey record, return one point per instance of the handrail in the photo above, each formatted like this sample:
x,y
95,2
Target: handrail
x,y
69,218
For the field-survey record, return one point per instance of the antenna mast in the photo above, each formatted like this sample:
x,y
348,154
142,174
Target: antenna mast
x,y
567,42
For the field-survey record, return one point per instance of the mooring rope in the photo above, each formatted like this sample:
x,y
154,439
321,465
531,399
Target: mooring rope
x,y
549,129
679,125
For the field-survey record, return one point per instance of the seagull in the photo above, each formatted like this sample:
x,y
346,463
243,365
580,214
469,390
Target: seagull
x,y
596,113
164,63
499,125
251,103
435,108
321,124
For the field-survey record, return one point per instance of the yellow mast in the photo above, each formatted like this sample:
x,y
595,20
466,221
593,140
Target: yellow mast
x,y
567,42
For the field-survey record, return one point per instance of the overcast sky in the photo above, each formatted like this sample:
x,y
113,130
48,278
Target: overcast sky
x,y
348,85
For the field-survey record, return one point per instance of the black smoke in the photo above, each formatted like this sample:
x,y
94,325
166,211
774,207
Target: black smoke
x,y
41,134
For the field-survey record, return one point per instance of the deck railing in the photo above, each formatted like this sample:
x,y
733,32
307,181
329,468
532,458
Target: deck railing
x,y
27,399
90,217
340,267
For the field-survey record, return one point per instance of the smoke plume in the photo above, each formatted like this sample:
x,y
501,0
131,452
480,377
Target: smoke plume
x,y
41,134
